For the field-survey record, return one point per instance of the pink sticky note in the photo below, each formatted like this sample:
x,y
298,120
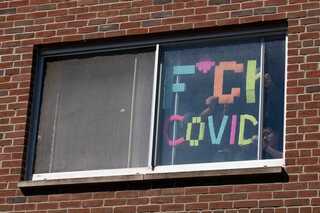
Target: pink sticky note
x,y
173,142
176,141
204,66
233,129
176,118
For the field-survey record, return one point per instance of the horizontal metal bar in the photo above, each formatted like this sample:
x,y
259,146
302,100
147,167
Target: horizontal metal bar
x,y
88,47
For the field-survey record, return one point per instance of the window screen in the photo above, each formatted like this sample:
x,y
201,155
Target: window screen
x,y
95,113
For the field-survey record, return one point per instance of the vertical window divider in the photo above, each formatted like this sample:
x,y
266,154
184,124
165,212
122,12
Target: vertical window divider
x,y
153,107
131,110
261,98
176,101
285,100
155,144
53,135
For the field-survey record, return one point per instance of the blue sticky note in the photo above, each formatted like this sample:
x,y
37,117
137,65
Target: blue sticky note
x,y
184,70
178,87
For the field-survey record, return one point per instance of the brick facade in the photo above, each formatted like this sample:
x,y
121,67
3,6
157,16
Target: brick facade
x,y
25,23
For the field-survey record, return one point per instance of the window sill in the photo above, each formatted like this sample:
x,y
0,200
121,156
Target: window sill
x,y
151,176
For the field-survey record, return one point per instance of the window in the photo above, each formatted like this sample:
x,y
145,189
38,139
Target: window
x,y
95,113
193,103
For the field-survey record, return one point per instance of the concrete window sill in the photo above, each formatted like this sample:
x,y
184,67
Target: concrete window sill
x,y
150,177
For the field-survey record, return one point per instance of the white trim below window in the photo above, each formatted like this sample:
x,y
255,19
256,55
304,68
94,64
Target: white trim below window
x,y
161,169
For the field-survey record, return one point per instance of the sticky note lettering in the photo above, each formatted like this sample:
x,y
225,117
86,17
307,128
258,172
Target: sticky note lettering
x,y
243,119
233,129
217,139
178,87
174,141
204,66
184,70
251,78
218,82
195,120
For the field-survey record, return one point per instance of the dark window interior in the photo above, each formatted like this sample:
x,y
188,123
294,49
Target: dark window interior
x,y
201,121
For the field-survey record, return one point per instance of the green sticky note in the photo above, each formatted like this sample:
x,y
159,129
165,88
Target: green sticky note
x,y
188,134
243,119
251,81
195,121
201,131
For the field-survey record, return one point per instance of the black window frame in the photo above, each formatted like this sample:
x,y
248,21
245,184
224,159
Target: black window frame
x,y
43,53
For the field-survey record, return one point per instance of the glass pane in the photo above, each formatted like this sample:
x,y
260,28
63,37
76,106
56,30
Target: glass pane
x,y
273,98
209,110
95,113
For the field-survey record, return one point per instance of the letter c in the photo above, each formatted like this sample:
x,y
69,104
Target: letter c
x,y
174,141
218,81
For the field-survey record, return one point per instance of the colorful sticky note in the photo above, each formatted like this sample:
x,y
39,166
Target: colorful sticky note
x,y
233,129
217,139
204,66
218,82
184,70
243,119
174,141
195,142
178,87
251,81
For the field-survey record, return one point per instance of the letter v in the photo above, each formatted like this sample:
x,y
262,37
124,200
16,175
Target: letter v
x,y
214,139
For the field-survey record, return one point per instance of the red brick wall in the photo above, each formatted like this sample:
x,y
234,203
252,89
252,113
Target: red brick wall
x,y
24,23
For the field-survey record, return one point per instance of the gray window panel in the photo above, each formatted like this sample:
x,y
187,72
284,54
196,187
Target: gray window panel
x,y
142,110
46,123
86,111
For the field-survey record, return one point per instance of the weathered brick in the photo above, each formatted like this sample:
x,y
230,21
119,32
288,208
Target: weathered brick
x,y
266,10
8,11
218,2
312,89
108,27
162,1
241,13
28,23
